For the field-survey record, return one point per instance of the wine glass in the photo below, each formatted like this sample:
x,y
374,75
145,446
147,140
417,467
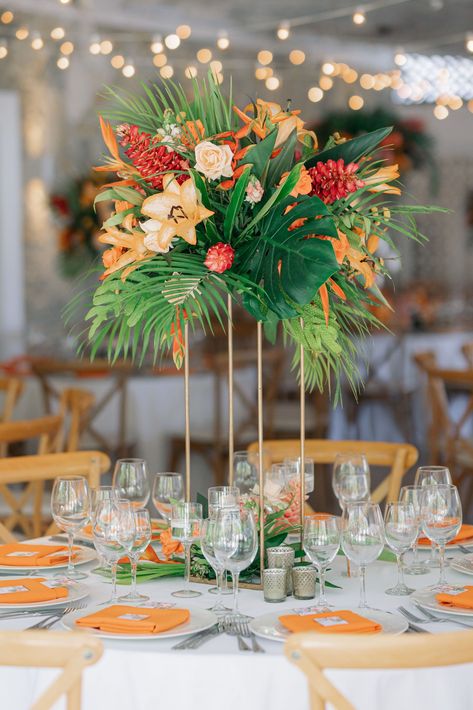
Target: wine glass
x,y
168,488
401,528
351,478
294,466
321,542
131,480
431,476
99,494
140,541
235,544
246,469
70,507
411,495
112,532
186,523
362,538
441,516
222,497
207,546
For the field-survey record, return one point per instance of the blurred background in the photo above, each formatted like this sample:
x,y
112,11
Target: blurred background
x,y
350,68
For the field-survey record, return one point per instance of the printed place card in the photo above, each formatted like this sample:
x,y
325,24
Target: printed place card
x,y
134,617
331,621
13,590
20,553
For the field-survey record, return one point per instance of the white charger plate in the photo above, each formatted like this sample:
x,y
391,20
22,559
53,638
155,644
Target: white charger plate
x,y
200,619
426,600
463,564
76,592
455,546
83,555
269,627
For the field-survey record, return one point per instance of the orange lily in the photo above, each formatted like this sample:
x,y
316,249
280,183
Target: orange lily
x,y
380,179
129,220
323,292
266,116
135,253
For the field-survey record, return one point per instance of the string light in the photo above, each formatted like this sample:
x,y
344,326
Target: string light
x,y
325,83
272,83
184,31
328,68
359,17
263,73
283,31
469,41
455,103
160,60
106,47
172,41
223,42
66,47
63,63
64,2
297,56
400,59
167,71
356,102
3,50
204,55
58,33
94,46
22,33
265,57
367,81
216,66
7,17
315,94
37,41
157,45
470,105
191,71
117,61
128,69
440,112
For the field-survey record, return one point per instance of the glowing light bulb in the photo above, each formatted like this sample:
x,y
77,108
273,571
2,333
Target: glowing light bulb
x,y
297,56
223,42
367,81
184,31
172,41
265,57
359,17
283,31
356,102
160,60
272,83
3,50
400,59
191,71
7,17
328,68
22,33
440,112
94,46
325,83
315,94
63,63
58,33
117,61
469,41
128,70
106,47
204,55
216,66
37,42
157,45
167,71
66,47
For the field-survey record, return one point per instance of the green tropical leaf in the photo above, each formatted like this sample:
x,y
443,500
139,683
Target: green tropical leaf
x,y
126,193
352,150
236,201
259,155
282,163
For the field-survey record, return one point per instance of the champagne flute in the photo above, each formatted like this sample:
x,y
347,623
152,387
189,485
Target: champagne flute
x,y
186,523
235,544
139,543
112,532
168,488
431,476
411,495
222,497
321,542
401,528
131,480
441,516
362,538
70,507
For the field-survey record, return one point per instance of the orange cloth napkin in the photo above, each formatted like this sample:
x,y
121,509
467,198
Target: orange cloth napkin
x,y
330,622
29,589
134,619
157,526
19,555
466,532
463,600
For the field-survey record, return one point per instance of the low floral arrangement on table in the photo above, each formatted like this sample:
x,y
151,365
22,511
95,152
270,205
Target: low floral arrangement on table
x,y
214,200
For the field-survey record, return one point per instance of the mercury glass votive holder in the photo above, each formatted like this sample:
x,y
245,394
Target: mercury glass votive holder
x,y
274,585
282,557
303,581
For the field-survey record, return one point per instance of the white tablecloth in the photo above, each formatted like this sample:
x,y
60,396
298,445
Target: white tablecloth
x,y
148,675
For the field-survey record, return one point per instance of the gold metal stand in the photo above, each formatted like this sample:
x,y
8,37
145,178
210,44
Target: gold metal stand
x,y
187,411
302,432
231,439
260,443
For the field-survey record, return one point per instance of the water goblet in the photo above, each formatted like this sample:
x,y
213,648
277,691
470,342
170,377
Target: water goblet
x,y
321,542
432,476
401,527
71,509
362,538
139,543
207,546
294,466
441,516
168,488
222,497
186,523
112,532
351,478
131,480
411,494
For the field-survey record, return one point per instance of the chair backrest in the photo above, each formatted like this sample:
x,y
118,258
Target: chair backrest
x,y
11,389
398,458
71,652
313,653
75,406
46,430
467,352
34,471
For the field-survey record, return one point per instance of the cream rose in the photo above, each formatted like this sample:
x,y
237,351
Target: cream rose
x,y
213,161
152,228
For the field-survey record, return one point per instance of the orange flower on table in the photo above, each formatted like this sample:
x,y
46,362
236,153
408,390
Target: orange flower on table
x,y
175,212
169,545
266,115
134,250
380,179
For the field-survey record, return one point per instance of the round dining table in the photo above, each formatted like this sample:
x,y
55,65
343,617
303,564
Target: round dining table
x,y
150,674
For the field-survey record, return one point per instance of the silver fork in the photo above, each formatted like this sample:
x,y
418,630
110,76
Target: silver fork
x,y
247,633
431,618
465,550
231,628
57,616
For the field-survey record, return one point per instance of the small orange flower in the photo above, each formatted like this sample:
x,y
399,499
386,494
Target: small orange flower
x,y
129,220
170,546
303,186
110,256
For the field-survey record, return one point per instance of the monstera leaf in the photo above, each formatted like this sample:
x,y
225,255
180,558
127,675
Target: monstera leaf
x,y
352,150
290,265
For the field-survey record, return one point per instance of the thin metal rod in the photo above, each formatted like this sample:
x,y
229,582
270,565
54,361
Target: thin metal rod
x,y
260,442
302,428
231,436
187,412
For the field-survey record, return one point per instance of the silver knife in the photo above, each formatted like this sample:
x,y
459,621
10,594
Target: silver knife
x,y
198,639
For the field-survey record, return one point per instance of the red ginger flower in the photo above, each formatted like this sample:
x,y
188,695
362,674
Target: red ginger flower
x,y
149,156
334,180
219,257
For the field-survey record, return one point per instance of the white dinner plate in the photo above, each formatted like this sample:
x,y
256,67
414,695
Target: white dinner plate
x,y
83,555
200,620
76,592
426,599
269,627
455,546
463,564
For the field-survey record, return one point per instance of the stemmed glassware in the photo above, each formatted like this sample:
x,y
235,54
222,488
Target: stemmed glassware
x,y
71,510
113,533
441,515
411,495
351,478
207,546
235,544
186,523
168,488
222,497
321,542
246,469
362,538
432,476
401,527
142,537
294,466
131,480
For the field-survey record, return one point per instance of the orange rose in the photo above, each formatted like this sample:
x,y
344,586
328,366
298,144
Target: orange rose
x,y
303,186
111,256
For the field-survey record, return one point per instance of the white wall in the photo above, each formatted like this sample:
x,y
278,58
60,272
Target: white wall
x,y
12,311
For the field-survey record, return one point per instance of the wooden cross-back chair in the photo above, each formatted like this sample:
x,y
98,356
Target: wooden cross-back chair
x,y
75,406
70,652
34,471
10,389
467,352
313,653
398,458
